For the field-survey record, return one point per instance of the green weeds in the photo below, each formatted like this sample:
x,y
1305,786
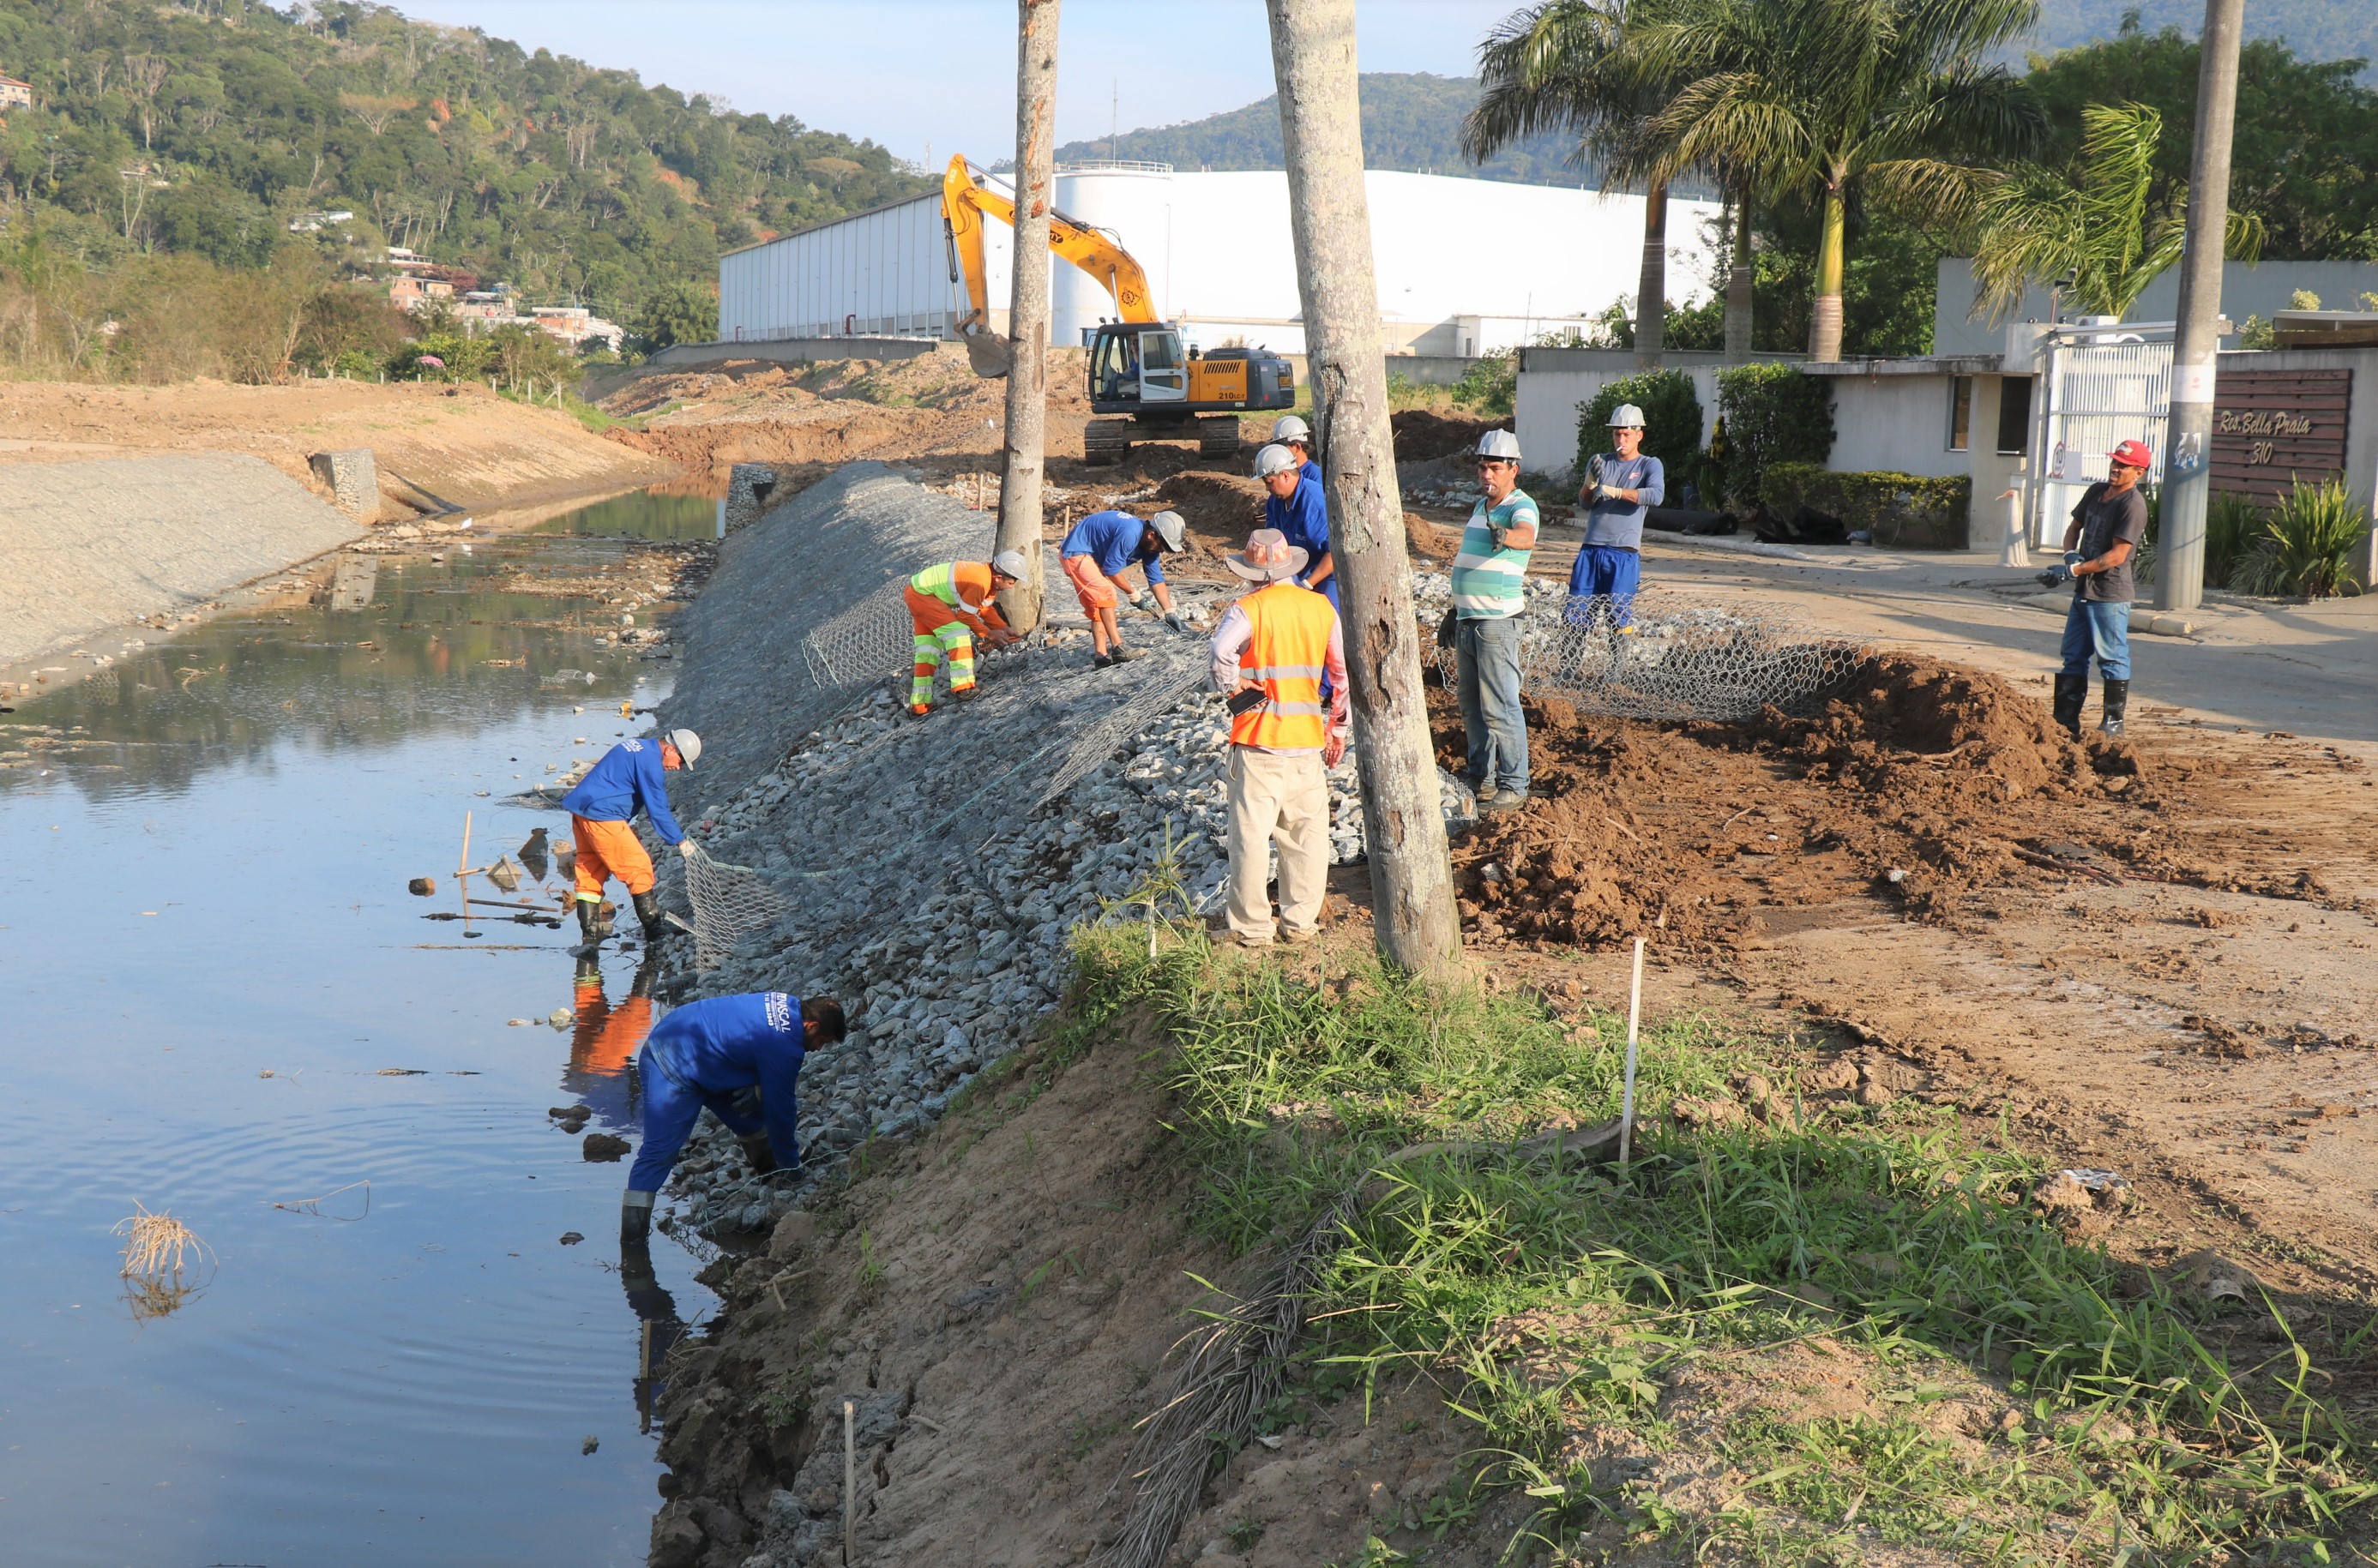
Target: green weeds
x,y
1562,1297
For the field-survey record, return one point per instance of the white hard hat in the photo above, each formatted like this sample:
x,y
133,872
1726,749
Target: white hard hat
x,y
1288,427
1627,417
688,747
1499,444
1274,459
1171,528
1010,563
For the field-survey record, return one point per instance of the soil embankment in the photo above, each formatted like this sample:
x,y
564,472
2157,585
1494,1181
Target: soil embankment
x,y
463,444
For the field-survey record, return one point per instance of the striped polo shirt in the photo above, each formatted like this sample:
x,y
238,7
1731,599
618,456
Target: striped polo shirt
x,y
1488,584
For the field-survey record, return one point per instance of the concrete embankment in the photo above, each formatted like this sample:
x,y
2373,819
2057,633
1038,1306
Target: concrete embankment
x,y
96,545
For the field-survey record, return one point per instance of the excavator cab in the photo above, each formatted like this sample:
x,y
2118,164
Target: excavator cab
x,y
1134,363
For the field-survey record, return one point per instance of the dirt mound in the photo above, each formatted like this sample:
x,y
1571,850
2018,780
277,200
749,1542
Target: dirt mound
x,y
1422,434
1920,785
1221,509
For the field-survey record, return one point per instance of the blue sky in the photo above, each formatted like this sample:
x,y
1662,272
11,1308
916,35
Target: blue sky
x,y
940,74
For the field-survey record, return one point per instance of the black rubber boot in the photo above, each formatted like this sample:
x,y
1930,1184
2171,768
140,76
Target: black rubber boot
x,y
2118,704
590,927
648,910
2071,691
635,1218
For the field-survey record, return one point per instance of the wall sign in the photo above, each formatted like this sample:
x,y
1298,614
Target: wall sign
x,y
2275,428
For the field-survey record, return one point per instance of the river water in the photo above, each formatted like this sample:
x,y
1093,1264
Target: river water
x,y
222,1002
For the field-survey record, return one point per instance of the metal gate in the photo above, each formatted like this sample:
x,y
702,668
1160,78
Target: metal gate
x,y
2099,393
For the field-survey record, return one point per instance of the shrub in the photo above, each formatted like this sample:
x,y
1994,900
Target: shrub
x,y
1492,385
1902,510
1672,420
1773,414
2313,533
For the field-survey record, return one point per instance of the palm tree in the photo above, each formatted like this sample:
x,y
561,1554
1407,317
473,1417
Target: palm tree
x,y
2092,226
1822,96
1554,67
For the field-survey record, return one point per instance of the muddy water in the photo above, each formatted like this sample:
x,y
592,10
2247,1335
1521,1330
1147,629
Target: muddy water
x,y
222,1002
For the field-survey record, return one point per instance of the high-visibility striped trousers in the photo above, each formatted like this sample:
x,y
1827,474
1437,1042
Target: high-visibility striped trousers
x,y
950,638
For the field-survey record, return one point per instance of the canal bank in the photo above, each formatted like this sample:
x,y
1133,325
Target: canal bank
x,y
227,1008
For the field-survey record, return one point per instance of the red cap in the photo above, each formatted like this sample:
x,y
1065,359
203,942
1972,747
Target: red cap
x,y
2133,454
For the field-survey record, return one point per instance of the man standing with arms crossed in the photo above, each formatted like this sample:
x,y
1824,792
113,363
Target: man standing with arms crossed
x,y
2098,543
1490,596
1272,651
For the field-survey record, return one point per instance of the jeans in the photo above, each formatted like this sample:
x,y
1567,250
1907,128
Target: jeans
x,y
2102,629
671,1108
1605,572
1486,656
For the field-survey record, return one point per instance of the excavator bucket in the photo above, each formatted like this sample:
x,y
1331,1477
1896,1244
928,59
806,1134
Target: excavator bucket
x,y
989,354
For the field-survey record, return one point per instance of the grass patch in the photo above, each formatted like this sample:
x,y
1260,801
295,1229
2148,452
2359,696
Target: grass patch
x,y
1568,1307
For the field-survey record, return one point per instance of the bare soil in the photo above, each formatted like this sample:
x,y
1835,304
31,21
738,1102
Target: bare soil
x,y
463,444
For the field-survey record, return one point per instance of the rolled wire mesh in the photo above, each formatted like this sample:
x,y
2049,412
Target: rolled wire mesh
x,y
1663,654
866,643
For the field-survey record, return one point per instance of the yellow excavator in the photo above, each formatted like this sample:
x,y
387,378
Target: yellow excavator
x,y
1137,368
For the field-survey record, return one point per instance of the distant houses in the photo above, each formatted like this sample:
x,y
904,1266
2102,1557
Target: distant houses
x,y
14,94
421,285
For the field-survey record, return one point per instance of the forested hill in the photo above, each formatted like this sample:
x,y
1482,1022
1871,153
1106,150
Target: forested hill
x,y
208,126
2315,29
1411,121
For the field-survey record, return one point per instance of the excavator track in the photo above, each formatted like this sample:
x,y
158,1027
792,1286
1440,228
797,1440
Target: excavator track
x,y
1218,435
1105,441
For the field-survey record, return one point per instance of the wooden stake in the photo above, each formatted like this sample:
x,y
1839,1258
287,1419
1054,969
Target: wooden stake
x,y
1633,1019
849,1482
462,867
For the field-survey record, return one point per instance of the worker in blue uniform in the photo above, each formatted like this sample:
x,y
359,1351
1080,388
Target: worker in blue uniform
x,y
701,1058
629,779
1299,508
1297,436
1099,550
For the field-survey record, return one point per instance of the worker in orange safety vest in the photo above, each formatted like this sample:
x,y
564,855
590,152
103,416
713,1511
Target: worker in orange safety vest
x,y
1272,651
950,605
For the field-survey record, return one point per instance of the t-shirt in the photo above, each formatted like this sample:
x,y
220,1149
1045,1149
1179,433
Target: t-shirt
x,y
1619,524
628,779
2107,519
1111,539
1303,519
1492,584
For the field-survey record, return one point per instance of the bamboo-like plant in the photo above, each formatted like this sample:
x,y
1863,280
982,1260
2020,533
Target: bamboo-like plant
x,y
1828,96
2092,225
2312,533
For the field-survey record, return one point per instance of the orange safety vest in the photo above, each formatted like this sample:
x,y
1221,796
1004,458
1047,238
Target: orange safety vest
x,y
1287,656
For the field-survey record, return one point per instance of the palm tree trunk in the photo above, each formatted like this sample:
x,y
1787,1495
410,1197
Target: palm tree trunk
x,y
1737,285
1825,323
1651,288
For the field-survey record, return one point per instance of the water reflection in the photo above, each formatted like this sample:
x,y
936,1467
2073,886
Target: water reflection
x,y
604,1040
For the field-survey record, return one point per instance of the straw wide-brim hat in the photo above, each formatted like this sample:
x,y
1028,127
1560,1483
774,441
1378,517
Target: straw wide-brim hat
x,y
1290,558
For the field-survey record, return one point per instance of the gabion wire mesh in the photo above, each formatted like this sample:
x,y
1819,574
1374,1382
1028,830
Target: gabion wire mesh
x,y
730,904
1666,655
870,642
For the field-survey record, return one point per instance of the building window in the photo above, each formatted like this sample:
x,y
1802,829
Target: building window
x,y
1961,413
2014,415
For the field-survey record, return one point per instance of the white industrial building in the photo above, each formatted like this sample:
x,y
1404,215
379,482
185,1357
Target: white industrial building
x,y
1464,267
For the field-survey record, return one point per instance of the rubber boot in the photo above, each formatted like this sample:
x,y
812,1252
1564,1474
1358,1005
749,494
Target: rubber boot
x,y
2117,703
648,910
590,929
635,1218
2071,691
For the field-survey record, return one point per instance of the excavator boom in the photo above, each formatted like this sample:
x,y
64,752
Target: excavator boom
x,y
966,202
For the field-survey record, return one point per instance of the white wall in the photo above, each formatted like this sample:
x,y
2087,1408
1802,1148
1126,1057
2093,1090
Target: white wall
x,y
1896,424
1217,249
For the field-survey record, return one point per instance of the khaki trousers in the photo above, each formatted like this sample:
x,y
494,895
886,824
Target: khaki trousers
x,y
1282,797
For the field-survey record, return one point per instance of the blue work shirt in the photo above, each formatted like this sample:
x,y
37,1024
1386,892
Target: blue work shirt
x,y
1112,540
1303,518
628,779
1619,524
726,1044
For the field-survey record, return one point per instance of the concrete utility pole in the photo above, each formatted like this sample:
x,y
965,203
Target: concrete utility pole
x,y
1027,315
1321,129
2187,451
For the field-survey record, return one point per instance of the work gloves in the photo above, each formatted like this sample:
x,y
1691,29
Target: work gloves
x,y
757,1151
2061,572
1173,619
1142,601
685,847
1610,492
